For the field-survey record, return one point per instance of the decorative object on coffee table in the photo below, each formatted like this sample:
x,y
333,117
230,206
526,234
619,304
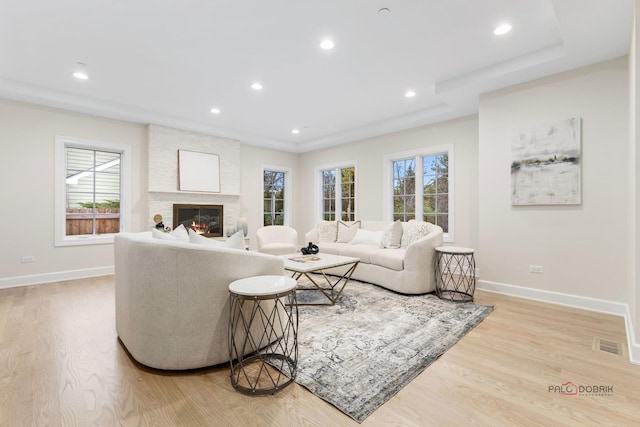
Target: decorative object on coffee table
x,y
311,249
455,273
263,361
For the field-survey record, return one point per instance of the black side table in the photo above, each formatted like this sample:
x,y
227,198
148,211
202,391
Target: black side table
x,y
263,334
455,273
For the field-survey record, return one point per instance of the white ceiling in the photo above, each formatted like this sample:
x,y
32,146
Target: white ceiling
x,y
169,62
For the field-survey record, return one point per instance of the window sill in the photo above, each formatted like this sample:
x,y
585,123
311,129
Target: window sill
x,y
85,240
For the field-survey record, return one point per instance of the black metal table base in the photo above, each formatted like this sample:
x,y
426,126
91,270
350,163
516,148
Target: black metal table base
x,y
455,276
263,342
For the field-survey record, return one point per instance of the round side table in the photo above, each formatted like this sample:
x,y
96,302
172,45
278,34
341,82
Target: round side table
x,y
263,334
455,273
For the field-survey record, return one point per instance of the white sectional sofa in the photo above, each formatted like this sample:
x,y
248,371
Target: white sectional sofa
x,y
402,263
172,297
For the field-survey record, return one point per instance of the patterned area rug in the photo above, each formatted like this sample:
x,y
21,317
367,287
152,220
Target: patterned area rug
x,y
359,353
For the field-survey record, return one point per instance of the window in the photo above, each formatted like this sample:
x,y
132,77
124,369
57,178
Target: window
x,y
435,184
404,189
422,187
90,191
338,193
275,189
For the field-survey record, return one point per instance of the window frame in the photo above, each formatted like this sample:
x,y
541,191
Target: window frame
x,y
61,144
417,155
287,192
337,188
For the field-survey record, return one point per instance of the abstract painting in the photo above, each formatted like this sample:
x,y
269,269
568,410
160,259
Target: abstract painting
x,y
545,164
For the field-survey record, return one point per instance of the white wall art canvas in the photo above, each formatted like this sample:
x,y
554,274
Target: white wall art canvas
x,y
545,164
198,172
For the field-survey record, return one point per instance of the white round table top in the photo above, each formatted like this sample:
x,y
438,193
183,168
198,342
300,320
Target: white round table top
x,y
262,285
454,250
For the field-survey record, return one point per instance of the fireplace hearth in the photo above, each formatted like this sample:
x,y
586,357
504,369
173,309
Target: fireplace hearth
x,y
207,220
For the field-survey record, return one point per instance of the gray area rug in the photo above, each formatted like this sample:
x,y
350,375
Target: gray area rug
x,y
359,353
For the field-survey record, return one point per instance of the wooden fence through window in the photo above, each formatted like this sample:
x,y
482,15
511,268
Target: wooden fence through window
x,y
80,221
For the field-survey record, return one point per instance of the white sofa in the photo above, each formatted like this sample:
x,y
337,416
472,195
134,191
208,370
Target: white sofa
x,y
172,298
408,269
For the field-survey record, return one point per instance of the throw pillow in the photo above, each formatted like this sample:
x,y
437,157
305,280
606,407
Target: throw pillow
x,y
347,231
413,231
199,239
327,231
392,235
235,242
180,233
367,237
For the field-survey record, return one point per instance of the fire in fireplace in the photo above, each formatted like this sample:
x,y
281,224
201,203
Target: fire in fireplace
x,y
206,220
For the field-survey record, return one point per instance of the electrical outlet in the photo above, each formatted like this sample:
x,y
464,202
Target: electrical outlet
x,y
27,258
536,269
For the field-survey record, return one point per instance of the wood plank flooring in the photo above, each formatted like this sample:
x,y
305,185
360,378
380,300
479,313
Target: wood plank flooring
x,y
61,365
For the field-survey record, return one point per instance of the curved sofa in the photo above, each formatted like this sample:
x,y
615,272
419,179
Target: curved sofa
x,y
172,298
408,269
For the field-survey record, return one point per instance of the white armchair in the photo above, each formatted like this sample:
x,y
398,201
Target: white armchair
x,y
277,240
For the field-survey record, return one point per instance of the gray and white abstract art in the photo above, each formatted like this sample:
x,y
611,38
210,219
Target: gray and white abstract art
x,y
545,166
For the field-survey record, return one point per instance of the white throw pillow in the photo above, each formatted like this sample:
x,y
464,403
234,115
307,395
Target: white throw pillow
x,y
347,231
413,231
234,242
327,231
199,239
180,233
367,237
392,236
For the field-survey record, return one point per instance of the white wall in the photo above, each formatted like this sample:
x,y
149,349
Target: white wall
x,y
369,153
634,117
583,249
253,159
27,137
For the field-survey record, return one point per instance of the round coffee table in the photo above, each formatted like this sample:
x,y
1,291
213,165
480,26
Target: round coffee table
x,y
455,273
263,334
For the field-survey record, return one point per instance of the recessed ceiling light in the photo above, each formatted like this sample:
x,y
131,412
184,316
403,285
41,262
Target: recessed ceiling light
x,y
215,111
327,44
295,131
80,72
409,94
384,11
256,86
502,29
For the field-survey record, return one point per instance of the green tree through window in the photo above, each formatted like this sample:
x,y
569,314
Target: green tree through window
x,y
274,197
435,181
338,197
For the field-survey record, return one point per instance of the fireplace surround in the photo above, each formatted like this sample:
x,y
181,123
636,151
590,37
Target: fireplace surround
x,y
207,220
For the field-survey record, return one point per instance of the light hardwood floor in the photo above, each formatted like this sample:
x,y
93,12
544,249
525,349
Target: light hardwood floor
x,y
62,365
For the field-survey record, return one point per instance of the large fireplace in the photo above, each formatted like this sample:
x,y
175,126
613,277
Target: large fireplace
x,y
207,220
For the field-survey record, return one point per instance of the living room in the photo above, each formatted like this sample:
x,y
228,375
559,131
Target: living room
x,y
580,270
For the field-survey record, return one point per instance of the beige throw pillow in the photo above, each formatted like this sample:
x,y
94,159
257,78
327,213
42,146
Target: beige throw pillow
x,y
327,231
180,233
347,231
234,242
413,231
201,240
392,237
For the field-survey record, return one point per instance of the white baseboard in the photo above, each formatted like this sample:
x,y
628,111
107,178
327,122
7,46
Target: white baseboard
x,y
574,301
59,276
